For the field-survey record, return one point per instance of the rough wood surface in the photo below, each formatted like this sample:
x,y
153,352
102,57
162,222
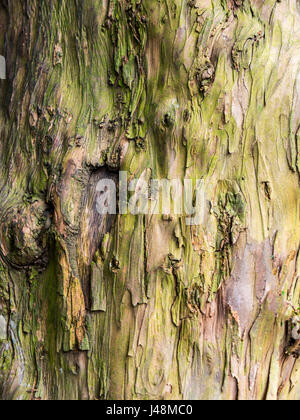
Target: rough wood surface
x,y
142,307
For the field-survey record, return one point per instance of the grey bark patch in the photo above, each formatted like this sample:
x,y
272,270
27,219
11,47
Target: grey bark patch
x,y
240,288
2,68
251,280
95,224
3,328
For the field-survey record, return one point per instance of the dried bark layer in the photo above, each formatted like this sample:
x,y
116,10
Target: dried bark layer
x,y
146,307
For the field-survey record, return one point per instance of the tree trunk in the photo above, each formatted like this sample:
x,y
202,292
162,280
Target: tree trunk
x,y
146,306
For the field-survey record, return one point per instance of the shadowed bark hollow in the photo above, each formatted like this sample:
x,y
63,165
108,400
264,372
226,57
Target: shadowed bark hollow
x,y
147,307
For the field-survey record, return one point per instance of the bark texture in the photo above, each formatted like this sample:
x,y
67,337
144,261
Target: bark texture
x,y
146,307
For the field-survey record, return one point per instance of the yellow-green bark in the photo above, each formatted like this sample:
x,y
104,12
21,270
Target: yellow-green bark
x,y
146,307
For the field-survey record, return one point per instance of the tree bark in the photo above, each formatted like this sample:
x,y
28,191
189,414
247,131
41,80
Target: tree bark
x,y
147,307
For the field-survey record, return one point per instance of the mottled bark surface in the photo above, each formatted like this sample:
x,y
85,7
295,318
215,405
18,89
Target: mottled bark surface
x,y
146,307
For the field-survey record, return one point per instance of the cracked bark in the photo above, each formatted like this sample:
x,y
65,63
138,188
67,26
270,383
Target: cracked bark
x,y
147,307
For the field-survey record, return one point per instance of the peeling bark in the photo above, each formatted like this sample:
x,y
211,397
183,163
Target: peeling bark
x,y
147,307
